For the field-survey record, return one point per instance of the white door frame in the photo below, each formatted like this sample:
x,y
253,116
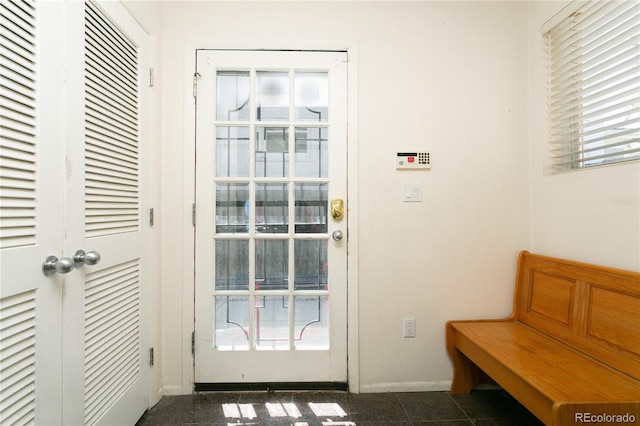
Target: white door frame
x,y
188,253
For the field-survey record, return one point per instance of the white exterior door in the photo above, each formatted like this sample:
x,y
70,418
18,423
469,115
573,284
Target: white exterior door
x,y
271,281
89,361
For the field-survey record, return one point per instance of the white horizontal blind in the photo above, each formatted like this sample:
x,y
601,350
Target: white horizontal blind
x,y
594,86
17,124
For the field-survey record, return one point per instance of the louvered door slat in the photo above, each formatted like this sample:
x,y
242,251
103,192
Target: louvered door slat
x,y
119,45
18,129
114,170
116,124
12,136
104,141
112,333
17,358
98,149
123,45
101,186
113,57
100,109
26,8
18,59
20,126
17,102
123,153
110,102
108,168
111,128
17,194
16,111
17,27
24,11
102,125
16,74
105,57
100,59
96,79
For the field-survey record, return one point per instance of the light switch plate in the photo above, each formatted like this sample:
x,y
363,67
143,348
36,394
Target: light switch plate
x,y
412,192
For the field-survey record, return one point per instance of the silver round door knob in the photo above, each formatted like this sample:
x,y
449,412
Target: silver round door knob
x,y
86,258
52,264
337,235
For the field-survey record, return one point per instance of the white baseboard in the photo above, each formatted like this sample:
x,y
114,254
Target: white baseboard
x,y
406,387
172,390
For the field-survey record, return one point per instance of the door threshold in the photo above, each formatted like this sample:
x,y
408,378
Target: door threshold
x,y
271,386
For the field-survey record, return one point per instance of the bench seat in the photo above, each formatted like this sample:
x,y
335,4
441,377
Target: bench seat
x,y
569,350
523,353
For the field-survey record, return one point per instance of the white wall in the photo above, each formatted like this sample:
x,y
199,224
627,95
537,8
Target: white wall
x,y
446,77
464,80
590,215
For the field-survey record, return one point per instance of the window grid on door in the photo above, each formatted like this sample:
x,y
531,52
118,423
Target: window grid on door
x,y
271,202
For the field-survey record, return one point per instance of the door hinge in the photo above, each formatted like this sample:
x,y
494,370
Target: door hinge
x,y
193,214
196,76
193,343
151,216
151,357
151,79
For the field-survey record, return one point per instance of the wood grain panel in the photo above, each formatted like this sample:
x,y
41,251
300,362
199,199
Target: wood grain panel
x,y
552,297
614,319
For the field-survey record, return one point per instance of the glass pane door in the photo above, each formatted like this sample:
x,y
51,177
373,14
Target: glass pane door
x,y
271,152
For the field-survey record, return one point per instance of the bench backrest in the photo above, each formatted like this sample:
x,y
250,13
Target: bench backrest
x,y
593,309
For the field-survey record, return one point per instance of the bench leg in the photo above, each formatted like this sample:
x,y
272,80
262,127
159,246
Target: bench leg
x,y
466,375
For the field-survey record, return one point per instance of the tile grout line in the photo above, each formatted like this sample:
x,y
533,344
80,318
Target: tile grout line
x,y
406,413
461,409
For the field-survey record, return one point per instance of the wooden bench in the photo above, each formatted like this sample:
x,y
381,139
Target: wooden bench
x,y
569,352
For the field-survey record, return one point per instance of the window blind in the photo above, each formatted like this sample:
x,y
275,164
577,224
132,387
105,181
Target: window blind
x,y
594,85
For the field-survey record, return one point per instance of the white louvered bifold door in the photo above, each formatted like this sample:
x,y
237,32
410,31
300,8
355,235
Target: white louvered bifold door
x,y
73,347
30,214
105,349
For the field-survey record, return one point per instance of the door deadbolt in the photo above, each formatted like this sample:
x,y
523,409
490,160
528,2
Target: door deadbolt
x,y
337,208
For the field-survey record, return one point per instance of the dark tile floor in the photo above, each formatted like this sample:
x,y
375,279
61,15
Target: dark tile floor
x,y
481,407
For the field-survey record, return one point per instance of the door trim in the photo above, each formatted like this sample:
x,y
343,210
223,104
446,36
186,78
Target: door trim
x,y
189,181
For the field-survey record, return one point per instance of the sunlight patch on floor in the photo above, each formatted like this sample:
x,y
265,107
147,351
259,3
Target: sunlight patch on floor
x,y
286,409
